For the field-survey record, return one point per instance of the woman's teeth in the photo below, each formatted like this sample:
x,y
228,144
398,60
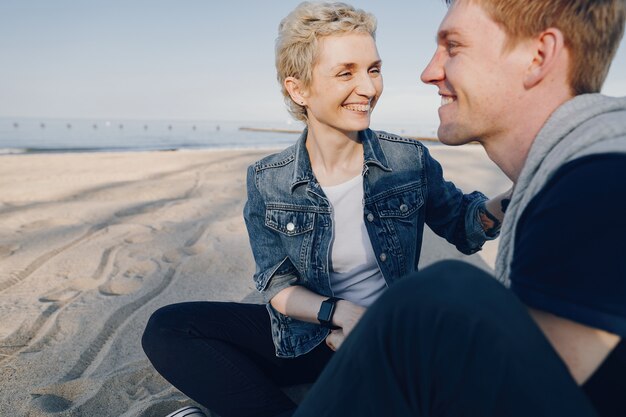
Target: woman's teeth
x,y
358,107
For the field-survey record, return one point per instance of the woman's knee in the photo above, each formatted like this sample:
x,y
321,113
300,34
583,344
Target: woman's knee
x,y
164,324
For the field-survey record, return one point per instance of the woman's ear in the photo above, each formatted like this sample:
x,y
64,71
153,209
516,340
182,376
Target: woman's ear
x,y
549,55
296,90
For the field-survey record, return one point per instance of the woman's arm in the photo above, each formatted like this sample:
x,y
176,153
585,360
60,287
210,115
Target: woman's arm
x,y
276,277
492,215
303,304
274,269
461,219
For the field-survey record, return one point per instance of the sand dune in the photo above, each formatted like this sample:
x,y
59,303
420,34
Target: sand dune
x,y
92,244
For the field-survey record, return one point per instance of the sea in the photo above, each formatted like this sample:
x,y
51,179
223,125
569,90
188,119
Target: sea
x,y
30,135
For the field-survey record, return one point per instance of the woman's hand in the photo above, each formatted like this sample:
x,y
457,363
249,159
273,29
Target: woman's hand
x,y
335,339
492,213
347,315
302,304
497,205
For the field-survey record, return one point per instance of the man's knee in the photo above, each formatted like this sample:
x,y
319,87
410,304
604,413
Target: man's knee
x,y
444,279
443,285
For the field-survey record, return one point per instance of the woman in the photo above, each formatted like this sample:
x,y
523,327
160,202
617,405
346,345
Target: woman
x,y
333,220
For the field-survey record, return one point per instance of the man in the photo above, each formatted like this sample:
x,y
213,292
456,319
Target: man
x,y
520,77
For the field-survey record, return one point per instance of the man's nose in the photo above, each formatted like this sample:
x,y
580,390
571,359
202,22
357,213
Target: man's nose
x,y
434,71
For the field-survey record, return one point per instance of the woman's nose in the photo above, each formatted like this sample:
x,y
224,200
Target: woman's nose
x,y
366,86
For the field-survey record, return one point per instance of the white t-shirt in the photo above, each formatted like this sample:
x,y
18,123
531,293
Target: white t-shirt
x,y
354,272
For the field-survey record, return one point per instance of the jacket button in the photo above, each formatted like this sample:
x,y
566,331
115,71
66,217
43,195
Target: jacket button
x,y
383,257
291,227
404,208
370,217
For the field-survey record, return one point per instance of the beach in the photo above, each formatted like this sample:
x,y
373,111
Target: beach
x,y
92,243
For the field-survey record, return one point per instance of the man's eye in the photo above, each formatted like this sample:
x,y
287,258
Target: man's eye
x,y
375,70
451,46
344,74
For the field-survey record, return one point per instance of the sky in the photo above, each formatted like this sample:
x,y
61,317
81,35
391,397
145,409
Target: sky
x,y
195,59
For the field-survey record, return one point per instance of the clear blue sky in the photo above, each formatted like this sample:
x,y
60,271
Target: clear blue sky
x,y
193,59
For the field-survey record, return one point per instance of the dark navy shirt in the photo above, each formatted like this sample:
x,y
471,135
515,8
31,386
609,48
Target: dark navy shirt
x,y
570,260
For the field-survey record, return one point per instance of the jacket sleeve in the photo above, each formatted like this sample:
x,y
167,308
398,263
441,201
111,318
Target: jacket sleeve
x,y
274,270
450,213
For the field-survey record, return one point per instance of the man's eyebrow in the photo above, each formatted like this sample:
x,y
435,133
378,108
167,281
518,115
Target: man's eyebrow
x,y
445,33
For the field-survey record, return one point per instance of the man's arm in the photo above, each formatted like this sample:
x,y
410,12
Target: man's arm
x,y
568,262
582,348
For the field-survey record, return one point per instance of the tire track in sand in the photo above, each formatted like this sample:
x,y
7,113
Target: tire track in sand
x,y
90,354
20,340
121,315
17,277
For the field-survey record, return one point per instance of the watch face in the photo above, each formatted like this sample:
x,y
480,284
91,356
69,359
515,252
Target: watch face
x,y
325,310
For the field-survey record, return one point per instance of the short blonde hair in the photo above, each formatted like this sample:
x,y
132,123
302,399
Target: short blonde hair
x,y
298,34
592,30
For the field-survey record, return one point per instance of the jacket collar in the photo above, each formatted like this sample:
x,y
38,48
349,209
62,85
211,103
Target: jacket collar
x,y
372,152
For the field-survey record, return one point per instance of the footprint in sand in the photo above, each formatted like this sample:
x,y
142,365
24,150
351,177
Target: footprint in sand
x,y
175,255
235,227
45,224
140,238
67,291
60,295
130,281
172,256
58,397
8,250
194,249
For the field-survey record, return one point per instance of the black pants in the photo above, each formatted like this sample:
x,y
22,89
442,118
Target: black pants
x,y
449,341
222,356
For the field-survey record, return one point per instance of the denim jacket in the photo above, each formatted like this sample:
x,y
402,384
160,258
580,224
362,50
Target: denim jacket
x,y
289,221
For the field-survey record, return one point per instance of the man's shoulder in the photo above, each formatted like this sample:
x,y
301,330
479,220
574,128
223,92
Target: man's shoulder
x,y
592,171
586,182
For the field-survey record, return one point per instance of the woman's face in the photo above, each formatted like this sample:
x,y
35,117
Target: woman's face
x,y
346,83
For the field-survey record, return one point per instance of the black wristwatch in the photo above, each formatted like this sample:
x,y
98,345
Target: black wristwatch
x,y
327,309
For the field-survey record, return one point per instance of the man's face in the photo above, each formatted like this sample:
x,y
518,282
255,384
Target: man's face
x,y
480,82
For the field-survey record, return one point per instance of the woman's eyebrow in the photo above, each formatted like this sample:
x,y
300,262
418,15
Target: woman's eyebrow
x,y
348,65
351,65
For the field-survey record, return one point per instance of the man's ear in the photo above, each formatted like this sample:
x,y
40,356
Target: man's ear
x,y
296,90
548,56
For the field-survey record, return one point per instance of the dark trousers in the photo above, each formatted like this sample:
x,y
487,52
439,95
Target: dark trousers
x,y
448,341
222,356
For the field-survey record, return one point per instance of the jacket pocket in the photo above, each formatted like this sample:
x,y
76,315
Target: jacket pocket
x,y
289,222
403,203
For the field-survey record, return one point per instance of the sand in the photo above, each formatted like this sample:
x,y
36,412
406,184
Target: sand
x,y
92,243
